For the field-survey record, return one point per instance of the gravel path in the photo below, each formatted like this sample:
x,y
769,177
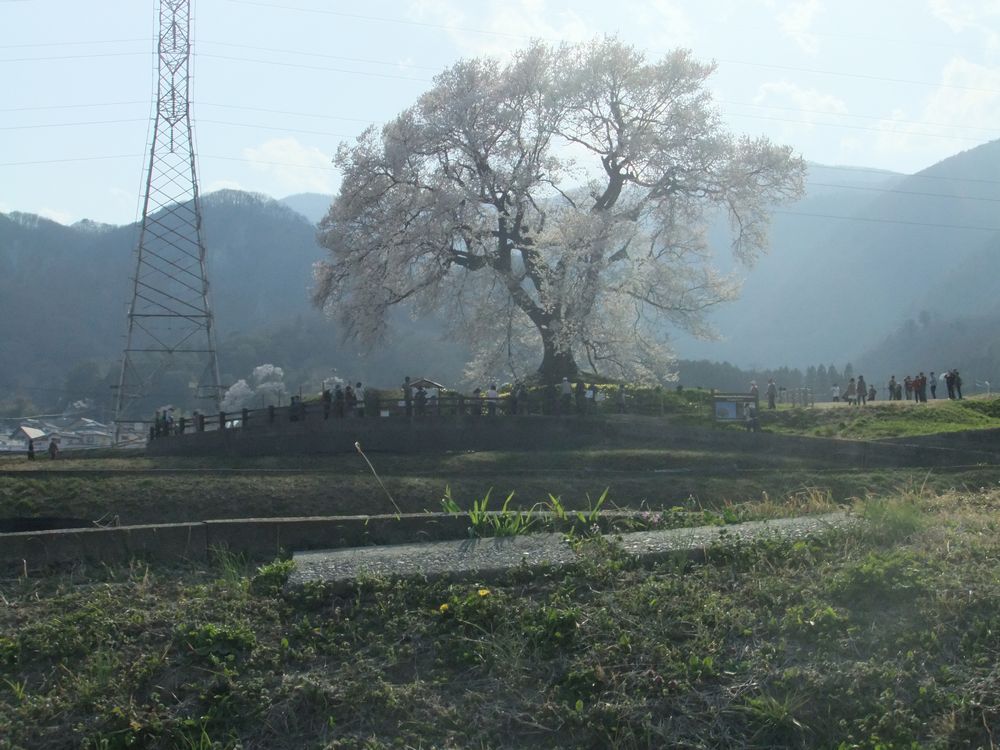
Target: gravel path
x,y
485,559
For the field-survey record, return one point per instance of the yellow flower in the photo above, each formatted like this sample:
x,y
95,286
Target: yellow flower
x,y
484,592
443,609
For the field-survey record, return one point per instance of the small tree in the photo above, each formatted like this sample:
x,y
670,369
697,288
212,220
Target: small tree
x,y
266,388
558,200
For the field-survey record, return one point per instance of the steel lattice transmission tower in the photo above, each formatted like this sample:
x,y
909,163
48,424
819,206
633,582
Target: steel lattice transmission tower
x,y
169,319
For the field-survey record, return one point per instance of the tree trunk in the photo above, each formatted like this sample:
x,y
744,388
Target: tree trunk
x,y
556,364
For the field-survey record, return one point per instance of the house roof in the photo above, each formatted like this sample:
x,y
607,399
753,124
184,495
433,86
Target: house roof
x,y
426,383
29,432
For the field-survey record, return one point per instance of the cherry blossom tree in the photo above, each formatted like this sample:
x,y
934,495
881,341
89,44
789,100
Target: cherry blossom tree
x,y
266,388
553,208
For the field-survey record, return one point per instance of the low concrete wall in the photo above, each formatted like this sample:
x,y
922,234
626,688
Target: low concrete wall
x,y
33,550
256,538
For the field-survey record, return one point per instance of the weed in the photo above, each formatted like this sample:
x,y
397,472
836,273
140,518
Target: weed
x,y
486,523
269,579
216,641
590,516
892,519
233,566
18,688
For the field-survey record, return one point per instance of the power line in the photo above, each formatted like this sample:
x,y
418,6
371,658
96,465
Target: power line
x,y
409,22
69,106
873,220
362,17
848,126
862,76
857,117
318,54
71,159
274,127
71,124
72,57
904,192
271,163
285,112
311,67
78,42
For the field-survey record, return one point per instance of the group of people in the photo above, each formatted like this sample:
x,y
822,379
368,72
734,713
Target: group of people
x,y
585,398
772,393
421,399
52,450
915,388
343,401
858,392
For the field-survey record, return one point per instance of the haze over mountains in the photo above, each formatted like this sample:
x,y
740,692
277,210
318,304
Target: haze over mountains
x,y
866,261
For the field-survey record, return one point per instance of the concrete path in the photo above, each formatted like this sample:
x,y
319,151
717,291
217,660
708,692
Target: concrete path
x,y
486,559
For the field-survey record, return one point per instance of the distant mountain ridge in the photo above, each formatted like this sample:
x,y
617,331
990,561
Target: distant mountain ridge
x,y
849,264
864,252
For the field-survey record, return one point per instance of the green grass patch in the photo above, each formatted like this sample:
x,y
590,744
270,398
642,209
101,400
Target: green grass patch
x,y
861,639
885,419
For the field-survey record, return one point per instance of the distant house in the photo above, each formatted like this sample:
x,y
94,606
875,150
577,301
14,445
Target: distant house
x,y
86,433
19,438
69,433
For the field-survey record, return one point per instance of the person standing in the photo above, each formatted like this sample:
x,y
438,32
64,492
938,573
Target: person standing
x,y
359,395
835,392
408,396
327,399
958,386
580,393
949,382
492,396
31,449
338,401
772,394
566,395
53,449
433,405
862,390
892,388
908,386
620,398
852,392
933,384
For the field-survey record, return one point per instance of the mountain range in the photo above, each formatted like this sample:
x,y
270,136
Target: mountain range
x,y
866,260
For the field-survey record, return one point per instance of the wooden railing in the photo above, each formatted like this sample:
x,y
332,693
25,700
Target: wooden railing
x,y
444,406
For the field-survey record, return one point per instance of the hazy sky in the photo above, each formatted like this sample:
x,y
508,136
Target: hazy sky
x,y
893,84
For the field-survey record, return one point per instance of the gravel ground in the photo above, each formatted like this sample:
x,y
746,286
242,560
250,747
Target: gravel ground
x,y
484,559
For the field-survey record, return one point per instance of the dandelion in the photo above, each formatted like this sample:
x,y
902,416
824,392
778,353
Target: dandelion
x,y
484,592
443,609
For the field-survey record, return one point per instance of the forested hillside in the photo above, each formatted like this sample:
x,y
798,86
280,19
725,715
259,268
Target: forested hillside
x,y
906,282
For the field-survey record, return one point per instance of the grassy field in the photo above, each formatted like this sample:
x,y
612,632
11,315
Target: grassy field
x,y
885,419
882,637
145,490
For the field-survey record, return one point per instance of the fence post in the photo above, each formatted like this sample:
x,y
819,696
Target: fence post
x,y
245,417
270,413
199,422
222,420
